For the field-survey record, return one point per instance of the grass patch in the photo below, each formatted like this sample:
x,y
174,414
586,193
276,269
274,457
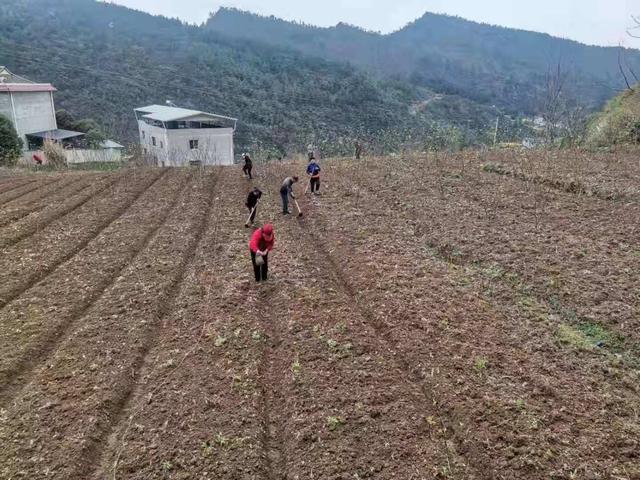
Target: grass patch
x,y
588,336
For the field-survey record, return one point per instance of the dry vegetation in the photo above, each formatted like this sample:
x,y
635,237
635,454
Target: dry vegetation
x,y
467,316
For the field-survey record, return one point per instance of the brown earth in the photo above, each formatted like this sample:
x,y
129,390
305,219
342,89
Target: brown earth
x,y
425,318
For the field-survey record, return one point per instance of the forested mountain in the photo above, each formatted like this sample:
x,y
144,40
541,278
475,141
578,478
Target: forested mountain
x,y
488,64
106,60
438,81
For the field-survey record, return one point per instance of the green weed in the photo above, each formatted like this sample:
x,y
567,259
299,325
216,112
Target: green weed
x,y
480,364
296,368
334,422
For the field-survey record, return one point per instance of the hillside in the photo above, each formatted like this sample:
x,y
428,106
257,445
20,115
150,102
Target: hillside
x,y
619,121
485,63
424,319
106,60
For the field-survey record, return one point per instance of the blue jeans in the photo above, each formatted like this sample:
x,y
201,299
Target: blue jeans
x,y
285,201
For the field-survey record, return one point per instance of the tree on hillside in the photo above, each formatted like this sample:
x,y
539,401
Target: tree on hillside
x,y
564,118
10,143
95,134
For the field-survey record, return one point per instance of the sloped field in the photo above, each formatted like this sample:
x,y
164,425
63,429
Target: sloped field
x,y
426,318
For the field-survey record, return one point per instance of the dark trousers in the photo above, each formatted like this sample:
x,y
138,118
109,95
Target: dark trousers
x,y
315,184
260,271
284,195
253,214
247,170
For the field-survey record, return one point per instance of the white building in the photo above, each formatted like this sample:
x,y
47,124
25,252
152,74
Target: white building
x,y
29,106
175,137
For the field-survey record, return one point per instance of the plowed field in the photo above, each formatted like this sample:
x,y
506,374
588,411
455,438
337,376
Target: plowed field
x,y
426,318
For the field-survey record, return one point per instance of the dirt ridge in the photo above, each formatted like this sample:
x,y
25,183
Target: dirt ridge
x,y
93,451
11,387
31,280
9,240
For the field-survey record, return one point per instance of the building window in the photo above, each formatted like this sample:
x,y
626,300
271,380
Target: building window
x,y
193,144
153,141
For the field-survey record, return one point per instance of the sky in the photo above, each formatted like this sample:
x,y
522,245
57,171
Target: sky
x,y
596,22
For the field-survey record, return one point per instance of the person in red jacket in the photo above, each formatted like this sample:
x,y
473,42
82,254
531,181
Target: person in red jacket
x,y
260,245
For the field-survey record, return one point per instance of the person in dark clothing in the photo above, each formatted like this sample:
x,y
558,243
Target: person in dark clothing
x,y
248,165
252,204
261,244
313,170
285,191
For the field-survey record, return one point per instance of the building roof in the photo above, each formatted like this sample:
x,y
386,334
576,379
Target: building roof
x,y
58,134
27,87
10,82
163,113
110,144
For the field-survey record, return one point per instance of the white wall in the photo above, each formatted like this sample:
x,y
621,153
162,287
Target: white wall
x,y
215,145
87,156
33,112
75,156
5,106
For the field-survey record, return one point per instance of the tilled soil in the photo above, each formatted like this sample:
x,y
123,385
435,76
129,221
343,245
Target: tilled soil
x,y
402,334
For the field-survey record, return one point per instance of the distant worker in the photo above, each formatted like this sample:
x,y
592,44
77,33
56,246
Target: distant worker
x,y
260,245
248,165
313,170
310,153
359,150
252,205
285,191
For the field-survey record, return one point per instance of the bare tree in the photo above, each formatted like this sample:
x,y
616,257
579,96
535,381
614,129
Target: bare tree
x,y
552,101
621,68
564,118
635,30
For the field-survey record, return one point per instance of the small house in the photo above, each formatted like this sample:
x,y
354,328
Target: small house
x,y
175,137
29,106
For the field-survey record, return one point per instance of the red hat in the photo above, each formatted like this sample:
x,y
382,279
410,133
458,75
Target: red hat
x,y
267,231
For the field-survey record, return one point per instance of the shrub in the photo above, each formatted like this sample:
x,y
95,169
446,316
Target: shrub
x,y
10,143
55,154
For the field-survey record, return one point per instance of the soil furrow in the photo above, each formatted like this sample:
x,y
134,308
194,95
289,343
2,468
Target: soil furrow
x,y
93,373
135,230
28,188
17,232
208,398
42,192
93,450
16,214
341,389
74,187
270,390
19,281
474,349
14,184
572,250
19,214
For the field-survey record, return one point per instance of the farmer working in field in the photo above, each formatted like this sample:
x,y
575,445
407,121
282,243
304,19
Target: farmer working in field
x,y
252,205
313,170
260,245
285,191
248,165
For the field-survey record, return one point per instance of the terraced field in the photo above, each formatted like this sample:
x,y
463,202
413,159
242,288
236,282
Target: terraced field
x,y
426,318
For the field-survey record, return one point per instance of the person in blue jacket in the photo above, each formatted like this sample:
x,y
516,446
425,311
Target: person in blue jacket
x,y
313,170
